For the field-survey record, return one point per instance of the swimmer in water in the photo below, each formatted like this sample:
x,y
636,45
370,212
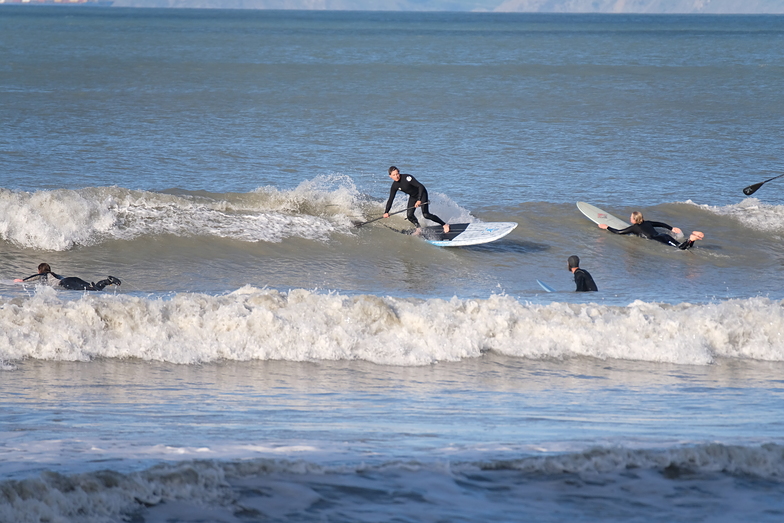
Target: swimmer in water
x,y
47,277
582,277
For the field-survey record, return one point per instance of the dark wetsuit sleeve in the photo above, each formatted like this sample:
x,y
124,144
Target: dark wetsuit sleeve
x,y
632,229
42,276
660,225
392,192
644,230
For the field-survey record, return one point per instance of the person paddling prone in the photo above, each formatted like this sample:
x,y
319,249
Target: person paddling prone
x,y
646,229
72,283
417,198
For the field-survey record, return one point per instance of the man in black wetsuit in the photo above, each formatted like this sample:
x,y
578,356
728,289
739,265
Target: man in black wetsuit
x,y
417,197
71,283
582,278
646,229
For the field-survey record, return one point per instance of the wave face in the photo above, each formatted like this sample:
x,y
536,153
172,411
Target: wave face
x,y
669,484
301,325
63,219
307,238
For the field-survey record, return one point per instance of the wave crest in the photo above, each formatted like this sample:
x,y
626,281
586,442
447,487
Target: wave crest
x,y
753,214
61,219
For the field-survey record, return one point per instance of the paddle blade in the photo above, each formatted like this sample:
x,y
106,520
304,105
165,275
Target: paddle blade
x,y
751,189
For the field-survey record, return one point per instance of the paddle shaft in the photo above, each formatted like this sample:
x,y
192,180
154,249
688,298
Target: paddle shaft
x,y
390,214
751,189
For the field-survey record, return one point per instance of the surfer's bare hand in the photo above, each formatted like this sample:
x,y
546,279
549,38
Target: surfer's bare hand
x,y
676,230
418,203
18,280
602,225
386,215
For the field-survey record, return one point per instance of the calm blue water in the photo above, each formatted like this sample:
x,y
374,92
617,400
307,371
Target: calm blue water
x,y
266,359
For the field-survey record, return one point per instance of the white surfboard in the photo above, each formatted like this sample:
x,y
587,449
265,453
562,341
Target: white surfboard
x,y
464,234
597,216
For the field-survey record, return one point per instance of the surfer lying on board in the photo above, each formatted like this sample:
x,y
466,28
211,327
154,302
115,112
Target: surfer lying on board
x,y
416,195
646,229
72,283
582,277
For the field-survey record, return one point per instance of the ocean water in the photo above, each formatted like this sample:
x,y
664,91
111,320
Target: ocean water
x,y
265,359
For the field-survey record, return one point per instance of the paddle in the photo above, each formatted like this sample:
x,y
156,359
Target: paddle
x,y
360,224
751,189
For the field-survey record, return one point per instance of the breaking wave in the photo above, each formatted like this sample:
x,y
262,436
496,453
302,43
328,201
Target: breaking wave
x,y
300,325
61,219
753,214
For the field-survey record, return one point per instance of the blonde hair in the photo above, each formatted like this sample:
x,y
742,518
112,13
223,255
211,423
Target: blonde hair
x,y
637,217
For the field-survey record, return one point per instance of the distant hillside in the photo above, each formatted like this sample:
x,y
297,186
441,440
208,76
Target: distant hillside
x,y
644,6
519,6
323,5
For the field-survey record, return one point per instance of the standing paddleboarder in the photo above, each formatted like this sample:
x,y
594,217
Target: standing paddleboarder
x,y
417,197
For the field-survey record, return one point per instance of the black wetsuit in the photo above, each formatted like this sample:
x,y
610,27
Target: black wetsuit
x,y
416,193
73,283
647,230
584,281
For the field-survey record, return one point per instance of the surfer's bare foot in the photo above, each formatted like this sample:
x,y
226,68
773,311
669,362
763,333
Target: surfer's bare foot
x,y
696,235
446,228
416,232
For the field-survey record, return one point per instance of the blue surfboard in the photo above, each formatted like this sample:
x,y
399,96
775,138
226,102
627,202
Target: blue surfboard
x,y
545,286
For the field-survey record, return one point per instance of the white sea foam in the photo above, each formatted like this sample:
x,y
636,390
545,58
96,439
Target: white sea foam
x,y
598,480
61,219
753,214
300,325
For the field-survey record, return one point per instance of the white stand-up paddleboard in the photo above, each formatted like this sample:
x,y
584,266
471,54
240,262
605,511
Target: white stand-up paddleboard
x,y
464,234
597,216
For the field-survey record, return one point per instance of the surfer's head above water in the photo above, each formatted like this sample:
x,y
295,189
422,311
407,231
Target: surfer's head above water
x,y
43,268
636,217
573,262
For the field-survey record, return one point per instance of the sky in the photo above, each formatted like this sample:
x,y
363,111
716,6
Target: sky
x,y
531,6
